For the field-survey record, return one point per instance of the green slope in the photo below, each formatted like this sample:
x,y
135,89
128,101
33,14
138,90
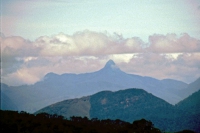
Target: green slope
x,y
190,112
133,104
67,108
127,105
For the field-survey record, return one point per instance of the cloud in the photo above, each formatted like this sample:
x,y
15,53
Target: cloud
x,y
172,44
96,43
18,47
13,50
186,67
164,56
87,43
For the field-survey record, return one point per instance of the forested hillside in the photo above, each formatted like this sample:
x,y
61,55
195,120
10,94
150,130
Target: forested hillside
x,y
133,104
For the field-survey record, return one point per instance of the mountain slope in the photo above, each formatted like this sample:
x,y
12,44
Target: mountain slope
x,y
133,104
68,108
191,102
119,101
54,88
127,105
190,111
5,101
191,88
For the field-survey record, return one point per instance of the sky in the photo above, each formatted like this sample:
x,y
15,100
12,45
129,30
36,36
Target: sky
x,y
157,38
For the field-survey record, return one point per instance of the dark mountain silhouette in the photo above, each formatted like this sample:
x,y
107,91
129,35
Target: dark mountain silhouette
x,y
18,122
54,88
133,104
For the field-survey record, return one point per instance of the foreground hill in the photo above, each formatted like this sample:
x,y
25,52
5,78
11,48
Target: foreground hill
x,y
54,88
129,105
133,104
67,108
99,104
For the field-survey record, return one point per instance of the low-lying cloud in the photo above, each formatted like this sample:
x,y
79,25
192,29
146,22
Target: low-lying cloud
x,y
173,44
26,62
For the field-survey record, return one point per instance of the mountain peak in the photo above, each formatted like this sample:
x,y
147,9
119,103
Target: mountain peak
x,y
50,75
111,65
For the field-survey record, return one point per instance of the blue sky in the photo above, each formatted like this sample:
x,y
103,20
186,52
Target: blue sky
x,y
140,18
157,38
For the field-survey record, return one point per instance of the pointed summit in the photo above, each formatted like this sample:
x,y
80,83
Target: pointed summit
x,y
110,65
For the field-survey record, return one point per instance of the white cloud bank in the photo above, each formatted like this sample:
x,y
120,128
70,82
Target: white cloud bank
x,y
164,56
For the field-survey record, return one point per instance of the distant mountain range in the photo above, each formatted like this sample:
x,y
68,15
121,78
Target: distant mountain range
x,y
133,104
54,88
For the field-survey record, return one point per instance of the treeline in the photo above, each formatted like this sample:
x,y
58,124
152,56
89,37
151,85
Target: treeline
x,y
22,122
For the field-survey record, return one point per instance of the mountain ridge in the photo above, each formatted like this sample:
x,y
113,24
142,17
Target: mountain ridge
x,y
131,94
54,87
